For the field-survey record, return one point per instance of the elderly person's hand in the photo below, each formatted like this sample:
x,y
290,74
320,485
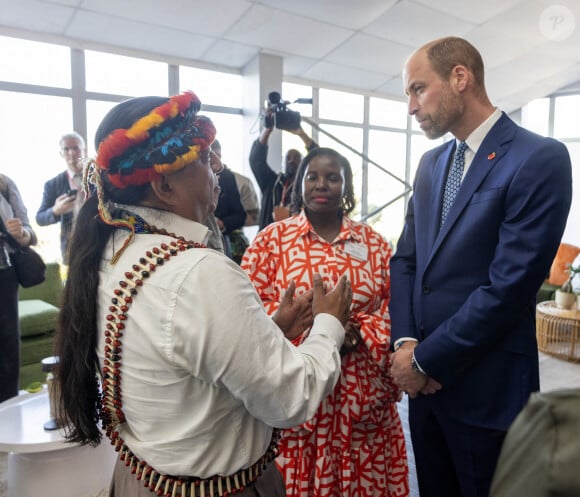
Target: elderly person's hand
x,y
294,315
336,302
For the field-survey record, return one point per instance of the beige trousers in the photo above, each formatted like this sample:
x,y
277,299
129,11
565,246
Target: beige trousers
x,y
125,484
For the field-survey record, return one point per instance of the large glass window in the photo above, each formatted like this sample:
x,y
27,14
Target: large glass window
x,y
229,134
536,116
389,113
34,63
120,75
353,137
566,115
341,106
389,151
30,134
96,111
212,88
572,231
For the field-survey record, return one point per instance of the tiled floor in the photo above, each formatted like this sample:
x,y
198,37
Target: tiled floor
x,y
555,374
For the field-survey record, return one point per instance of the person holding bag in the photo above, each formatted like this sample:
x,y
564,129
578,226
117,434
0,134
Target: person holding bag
x,y
14,219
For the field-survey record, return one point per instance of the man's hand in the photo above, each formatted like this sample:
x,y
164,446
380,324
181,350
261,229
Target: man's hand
x,y
63,205
409,380
294,315
336,302
431,386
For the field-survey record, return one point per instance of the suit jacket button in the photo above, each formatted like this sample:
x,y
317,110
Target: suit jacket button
x,y
426,289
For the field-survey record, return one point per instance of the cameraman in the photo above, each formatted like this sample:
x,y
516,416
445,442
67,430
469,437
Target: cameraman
x,y
276,187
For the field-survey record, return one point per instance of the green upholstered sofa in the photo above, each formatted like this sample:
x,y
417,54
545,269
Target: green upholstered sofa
x,y
38,309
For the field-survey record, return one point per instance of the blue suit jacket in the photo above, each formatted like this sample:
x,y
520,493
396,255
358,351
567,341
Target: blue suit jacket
x,y
467,291
53,188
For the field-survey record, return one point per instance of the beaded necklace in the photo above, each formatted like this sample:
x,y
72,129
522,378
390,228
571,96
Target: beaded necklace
x,y
112,414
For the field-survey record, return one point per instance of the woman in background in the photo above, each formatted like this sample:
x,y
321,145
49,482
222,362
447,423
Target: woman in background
x,y
354,446
14,221
180,394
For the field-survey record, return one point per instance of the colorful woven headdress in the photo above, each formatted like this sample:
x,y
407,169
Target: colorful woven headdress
x,y
164,141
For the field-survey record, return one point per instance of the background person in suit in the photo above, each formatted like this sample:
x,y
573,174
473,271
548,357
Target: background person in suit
x,y
62,194
463,290
229,213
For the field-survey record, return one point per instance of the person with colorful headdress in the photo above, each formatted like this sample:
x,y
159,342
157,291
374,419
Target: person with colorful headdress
x,y
187,393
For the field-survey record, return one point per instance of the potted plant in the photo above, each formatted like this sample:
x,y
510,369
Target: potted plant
x,y
575,271
565,296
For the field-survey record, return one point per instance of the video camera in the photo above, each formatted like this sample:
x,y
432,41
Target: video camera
x,y
283,118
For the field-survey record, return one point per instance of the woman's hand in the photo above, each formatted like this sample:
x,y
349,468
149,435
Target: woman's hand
x,y
336,302
294,315
352,338
16,229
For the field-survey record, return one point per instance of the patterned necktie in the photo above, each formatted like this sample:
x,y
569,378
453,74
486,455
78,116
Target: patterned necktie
x,y
453,180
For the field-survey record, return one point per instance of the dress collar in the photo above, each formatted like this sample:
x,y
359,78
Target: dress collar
x,y
347,229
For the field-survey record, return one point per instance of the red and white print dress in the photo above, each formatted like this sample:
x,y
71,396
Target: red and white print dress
x,y
354,446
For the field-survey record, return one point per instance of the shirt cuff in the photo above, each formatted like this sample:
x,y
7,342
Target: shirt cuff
x,y
331,325
401,341
417,365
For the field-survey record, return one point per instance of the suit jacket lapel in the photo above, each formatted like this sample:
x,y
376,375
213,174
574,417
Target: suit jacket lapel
x,y
492,149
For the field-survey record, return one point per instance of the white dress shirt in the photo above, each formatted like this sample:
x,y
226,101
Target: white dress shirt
x,y
205,371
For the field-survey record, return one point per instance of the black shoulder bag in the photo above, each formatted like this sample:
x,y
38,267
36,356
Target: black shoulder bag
x,y
29,266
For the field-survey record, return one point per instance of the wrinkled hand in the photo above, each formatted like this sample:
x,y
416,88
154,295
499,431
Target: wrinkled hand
x,y
63,204
294,315
336,302
403,374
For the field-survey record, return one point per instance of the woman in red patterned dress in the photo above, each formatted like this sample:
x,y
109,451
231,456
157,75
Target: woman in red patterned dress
x,y
354,446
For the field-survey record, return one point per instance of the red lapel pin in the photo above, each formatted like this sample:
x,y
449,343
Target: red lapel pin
x,y
491,156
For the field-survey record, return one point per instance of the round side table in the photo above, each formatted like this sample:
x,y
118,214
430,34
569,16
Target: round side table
x,y
41,463
558,331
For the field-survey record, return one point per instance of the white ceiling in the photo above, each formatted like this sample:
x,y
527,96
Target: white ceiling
x,y
531,48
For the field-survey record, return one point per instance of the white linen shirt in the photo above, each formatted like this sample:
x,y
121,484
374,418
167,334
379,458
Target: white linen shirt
x,y
205,372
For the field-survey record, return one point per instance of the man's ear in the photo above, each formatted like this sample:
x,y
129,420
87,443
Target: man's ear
x,y
162,190
460,77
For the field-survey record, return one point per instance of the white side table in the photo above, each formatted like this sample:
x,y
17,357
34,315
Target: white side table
x,y
41,463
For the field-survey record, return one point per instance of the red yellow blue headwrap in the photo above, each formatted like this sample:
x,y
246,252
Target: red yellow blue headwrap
x,y
164,141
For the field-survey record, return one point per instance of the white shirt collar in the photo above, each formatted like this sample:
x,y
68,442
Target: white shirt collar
x,y
475,139
173,223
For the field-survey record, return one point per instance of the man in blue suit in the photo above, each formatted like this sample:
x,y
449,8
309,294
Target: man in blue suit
x,y
463,285
62,196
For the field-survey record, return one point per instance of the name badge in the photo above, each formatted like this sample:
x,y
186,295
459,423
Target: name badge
x,y
356,250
